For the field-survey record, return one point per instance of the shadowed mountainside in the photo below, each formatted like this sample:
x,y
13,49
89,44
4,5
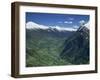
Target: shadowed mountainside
x,y
76,48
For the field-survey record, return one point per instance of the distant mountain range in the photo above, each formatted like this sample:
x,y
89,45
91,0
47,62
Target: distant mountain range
x,y
35,26
33,30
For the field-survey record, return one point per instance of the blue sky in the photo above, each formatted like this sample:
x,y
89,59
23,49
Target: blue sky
x,y
62,20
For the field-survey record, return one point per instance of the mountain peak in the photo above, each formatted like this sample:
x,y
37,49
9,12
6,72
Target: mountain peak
x,y
33,25
82,27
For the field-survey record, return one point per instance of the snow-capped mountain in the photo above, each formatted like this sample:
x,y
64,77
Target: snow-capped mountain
x,y
33,25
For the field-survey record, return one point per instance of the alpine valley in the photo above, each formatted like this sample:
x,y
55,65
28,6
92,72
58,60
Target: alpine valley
x,y
51,46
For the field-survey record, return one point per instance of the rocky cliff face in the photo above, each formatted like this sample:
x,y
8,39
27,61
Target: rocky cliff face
x,y
76,48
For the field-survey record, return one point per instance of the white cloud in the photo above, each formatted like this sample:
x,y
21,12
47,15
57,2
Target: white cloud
x,y
68,22
33,25
75,26
82,22
60,22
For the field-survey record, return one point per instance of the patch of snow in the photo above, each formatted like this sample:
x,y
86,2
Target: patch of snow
x,y
87,25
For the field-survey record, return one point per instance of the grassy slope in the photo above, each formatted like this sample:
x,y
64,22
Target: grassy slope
x,y
44,51
50,49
